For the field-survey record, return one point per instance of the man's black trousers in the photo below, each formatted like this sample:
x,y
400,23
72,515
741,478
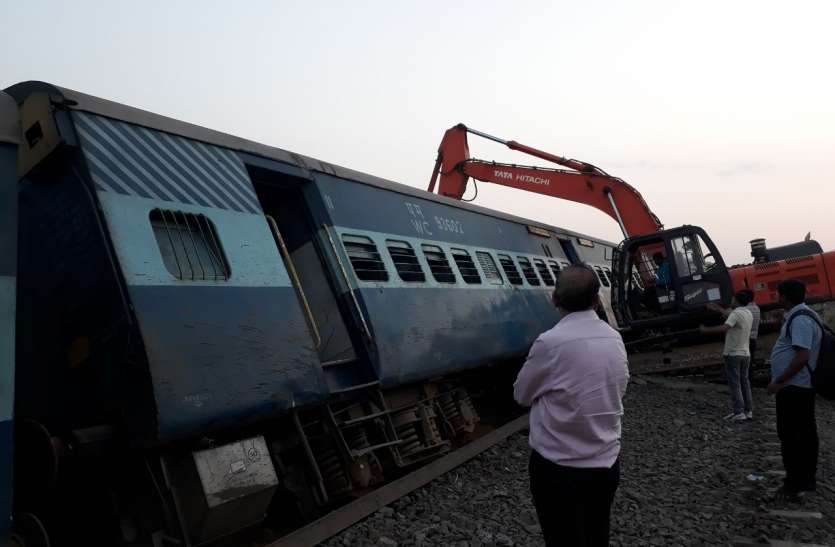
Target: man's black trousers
x,y
573,504
798,434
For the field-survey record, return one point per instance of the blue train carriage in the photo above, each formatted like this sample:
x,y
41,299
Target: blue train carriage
x,y
9,139
469,286
431,288
221,304
404,291
154,310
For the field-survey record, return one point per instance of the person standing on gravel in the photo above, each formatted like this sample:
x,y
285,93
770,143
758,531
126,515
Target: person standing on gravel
x,y
755,331
737,356
794,355
574,379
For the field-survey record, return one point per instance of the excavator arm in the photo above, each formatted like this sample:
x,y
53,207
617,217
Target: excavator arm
x,y
679,303
584,183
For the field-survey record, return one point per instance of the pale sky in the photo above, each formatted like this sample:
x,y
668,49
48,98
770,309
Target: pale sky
x,y
720,113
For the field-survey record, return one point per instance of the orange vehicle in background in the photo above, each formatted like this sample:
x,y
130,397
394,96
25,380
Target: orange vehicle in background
x,y
804,261
699,275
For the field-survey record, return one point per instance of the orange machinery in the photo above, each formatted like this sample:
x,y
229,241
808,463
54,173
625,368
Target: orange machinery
x,y
644,232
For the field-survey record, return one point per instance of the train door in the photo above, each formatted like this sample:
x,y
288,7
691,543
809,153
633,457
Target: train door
x,y
604,312
290,219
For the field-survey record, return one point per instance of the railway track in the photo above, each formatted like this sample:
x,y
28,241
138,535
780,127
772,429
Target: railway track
x,y
679,359
340,519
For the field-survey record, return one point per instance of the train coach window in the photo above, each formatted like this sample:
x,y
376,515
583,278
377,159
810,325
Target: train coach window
x,y
555,269
608,273
189,246
362,252
602,276
544,272
528,271
491,271
466,266
510,269
405,261
438,264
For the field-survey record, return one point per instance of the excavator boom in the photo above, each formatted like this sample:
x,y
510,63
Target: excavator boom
x,y
643,299
585,183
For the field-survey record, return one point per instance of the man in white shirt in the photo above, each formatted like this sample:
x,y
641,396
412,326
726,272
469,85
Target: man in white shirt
x,y
737,356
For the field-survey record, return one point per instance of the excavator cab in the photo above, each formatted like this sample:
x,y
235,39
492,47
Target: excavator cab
x,y
664,280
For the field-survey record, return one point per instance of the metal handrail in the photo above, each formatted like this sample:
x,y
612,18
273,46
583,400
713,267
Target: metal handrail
x,y
291,268
348,283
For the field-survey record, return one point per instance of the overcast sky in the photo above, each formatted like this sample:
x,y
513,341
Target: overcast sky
x,y
722,114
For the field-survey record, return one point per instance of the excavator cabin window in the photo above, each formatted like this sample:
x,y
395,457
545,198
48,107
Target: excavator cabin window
x,y
649,281
671,275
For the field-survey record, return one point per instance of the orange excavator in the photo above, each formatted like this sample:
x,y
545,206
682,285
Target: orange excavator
x,y
646,293
663,278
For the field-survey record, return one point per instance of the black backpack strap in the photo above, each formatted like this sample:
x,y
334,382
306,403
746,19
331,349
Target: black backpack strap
x,y
807,313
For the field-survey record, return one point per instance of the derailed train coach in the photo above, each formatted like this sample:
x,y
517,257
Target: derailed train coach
x,y
209,334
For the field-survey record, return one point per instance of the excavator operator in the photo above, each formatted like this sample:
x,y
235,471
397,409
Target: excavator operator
x,y
651,296
663,276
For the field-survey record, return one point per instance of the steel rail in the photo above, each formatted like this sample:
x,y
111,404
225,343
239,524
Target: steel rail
x,y
340,519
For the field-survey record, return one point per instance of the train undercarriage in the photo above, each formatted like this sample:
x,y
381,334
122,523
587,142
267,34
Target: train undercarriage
x,y
92,487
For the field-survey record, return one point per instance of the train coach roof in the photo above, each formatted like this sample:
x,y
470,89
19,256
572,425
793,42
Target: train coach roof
x,y
110,109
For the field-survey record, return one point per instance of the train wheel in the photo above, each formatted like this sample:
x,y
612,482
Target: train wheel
x,y
29,531
37,461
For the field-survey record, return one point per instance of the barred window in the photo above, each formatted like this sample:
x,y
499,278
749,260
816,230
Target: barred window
x,y
405,261
367,263
438,264
544,272
466,266
510,269
528,271
189,246
555,270
602,276
491,271
608,273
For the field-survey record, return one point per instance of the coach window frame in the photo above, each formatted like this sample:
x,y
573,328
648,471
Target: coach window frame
x,y
170,221
518,274
443,252
474,276
379,259
525,276
499,279
402,244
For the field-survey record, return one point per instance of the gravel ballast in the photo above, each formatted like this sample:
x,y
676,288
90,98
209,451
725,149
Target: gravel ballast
x,y
687,478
